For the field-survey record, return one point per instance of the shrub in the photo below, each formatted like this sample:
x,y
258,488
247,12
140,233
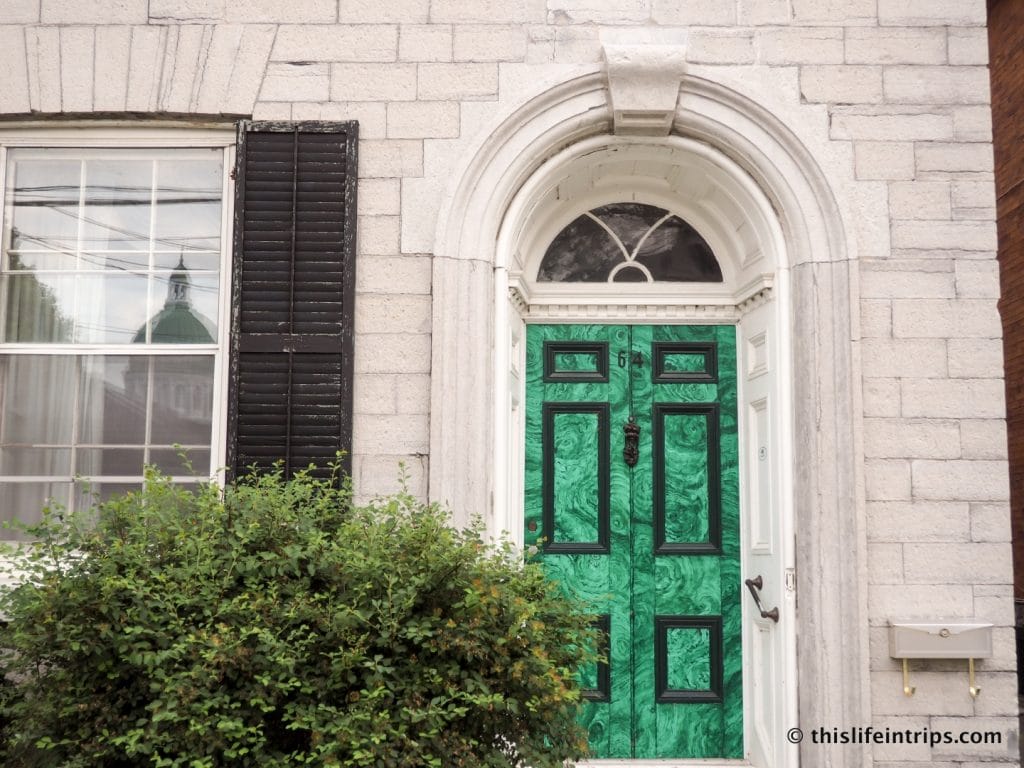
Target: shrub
x,y
276,624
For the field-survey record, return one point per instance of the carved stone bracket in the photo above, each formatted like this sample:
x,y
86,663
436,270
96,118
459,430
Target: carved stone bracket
x,y
643,86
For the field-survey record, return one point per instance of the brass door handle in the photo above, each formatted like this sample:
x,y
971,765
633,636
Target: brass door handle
x,y
755,585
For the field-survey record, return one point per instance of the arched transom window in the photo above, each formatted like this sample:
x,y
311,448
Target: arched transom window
x,y
629,243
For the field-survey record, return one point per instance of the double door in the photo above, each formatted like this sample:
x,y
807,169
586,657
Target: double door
x,y
632,498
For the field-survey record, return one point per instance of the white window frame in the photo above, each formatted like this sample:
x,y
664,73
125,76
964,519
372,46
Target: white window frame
x,y
119,135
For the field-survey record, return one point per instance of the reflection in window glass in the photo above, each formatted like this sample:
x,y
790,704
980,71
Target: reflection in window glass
x,y
629,242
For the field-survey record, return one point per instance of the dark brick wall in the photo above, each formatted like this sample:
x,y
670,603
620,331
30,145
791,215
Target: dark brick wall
x,y
1006,46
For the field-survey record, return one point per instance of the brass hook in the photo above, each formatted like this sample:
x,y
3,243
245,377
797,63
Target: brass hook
x,y
908,689
972,688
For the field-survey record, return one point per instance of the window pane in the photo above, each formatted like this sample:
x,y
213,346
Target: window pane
x,y
38,400
111,309
169,461
188,204
182,400
188,314
110,461
118,201
40,308
43,203
25,501
113,400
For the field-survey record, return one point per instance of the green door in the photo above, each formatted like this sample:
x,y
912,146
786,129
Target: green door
x,y
632,496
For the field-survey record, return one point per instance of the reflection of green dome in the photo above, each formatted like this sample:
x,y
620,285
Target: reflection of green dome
x,y
177,322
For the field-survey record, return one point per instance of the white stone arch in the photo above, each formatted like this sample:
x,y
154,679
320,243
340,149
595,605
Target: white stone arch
x,y
470,318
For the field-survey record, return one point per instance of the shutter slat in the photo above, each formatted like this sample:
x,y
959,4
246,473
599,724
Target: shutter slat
x,y
292,347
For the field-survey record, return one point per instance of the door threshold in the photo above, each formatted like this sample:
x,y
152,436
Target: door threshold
x,y
662,763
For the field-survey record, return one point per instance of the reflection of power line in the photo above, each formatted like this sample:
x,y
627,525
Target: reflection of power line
x,y
204,195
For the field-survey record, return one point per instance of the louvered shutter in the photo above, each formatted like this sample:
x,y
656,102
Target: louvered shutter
x,y
290,391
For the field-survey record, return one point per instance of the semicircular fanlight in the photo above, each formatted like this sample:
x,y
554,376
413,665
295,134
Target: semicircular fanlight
x,y
629,242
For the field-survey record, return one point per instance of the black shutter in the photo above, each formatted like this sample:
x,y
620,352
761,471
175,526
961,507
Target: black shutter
x,y
290,390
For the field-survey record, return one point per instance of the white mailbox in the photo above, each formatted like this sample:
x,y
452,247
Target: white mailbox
x,y
940,639
953,639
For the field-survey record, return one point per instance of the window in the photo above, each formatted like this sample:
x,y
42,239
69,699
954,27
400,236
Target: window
x,y
125,300
629,243
112,290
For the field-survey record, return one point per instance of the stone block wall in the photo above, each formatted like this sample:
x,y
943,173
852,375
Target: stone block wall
x,y
892,96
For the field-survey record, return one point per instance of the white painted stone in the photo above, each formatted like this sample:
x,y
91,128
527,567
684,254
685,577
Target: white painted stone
x,y
378,434
413,393
990,522
21,12
919,521
423,119
841,84
983,438
273,110
911,438
377,236
249,68
887,480
374,394
392,353
410,273
883,753
181,67
977,279
299,82
972,123
222,52
961,318
843,12
336,42
488,11
577,45
457,81
971,480
929,200
192,11
895,45
14,96
392,313
643,81
884,160
975,358
938,693
881,397
955,601
76,73
760,12
111,78
372,115
540,44
487,42
695,12
968,45
936,85
944,235
1000,690
373,82
43,55
387,474
931,12
881,280
147,51
974,196
799,45
379,197
377,11
94,12
897,358
1007,750
721,46
598,12
952,398
885,563
276,12
876,319
874,124
425,42
954,157
994,602
390,158
954,563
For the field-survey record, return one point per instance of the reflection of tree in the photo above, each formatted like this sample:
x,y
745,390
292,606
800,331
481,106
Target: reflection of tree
x,y
33,310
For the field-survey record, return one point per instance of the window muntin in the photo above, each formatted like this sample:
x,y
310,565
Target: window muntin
x,y
110,280
629,242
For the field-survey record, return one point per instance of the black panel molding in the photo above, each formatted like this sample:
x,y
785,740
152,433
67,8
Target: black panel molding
x,y
603,692
706,349
597,348
664,694
601,546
